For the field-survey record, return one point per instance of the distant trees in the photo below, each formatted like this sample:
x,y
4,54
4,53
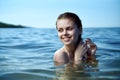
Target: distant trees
x,y
5,25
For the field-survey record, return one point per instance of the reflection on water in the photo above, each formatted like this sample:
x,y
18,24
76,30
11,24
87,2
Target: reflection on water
x,y
27,54
71,71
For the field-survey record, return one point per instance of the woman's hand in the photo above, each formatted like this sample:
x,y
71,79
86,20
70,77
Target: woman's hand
x,y
91,47
85,47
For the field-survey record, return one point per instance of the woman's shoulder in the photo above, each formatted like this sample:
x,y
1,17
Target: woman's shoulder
x,y
60,55
60,51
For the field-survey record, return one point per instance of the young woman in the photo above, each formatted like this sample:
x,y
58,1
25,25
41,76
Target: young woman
x,y
69,29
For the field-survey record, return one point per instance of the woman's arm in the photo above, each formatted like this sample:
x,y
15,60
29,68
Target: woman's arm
x,y
85,50
80,52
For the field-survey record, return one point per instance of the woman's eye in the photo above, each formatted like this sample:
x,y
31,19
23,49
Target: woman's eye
x,y
70,29
60,30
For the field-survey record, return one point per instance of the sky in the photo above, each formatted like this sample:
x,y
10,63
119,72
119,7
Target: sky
x,y
43,13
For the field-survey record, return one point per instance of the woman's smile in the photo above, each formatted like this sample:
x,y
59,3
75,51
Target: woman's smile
x,y
66,39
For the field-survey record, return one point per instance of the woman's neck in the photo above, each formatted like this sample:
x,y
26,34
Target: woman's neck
x,y
70,51
71,48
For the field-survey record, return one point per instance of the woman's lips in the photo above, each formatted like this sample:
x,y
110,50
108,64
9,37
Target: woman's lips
x,y
66,39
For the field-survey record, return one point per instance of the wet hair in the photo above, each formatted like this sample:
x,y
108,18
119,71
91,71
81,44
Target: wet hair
x,y
73,17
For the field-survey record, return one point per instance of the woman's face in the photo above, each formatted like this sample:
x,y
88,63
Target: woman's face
x,y
68,31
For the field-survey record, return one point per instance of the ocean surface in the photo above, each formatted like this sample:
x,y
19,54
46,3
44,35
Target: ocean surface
x,y
27,54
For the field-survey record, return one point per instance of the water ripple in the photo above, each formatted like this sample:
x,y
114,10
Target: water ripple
x,y
27,54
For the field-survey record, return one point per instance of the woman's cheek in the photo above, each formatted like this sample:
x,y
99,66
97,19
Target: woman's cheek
x,y
59,35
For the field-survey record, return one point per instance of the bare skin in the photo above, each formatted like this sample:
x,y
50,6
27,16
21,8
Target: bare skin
x,y
72,51
61,56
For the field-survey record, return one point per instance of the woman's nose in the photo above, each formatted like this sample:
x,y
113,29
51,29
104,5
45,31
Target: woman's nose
x,y
65,32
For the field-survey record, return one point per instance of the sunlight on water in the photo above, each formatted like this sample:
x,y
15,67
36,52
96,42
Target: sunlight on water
x,y
27,54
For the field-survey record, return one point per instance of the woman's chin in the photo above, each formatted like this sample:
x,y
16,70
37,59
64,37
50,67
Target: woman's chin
x,y
67,43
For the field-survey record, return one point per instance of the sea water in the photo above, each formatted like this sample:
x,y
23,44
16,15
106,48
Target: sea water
x,y
27,54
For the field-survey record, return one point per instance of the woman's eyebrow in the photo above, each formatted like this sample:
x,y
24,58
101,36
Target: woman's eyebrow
x,y
59,28
69,26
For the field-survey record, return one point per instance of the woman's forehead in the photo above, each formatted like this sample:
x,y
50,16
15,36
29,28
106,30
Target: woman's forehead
x,y
65,22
